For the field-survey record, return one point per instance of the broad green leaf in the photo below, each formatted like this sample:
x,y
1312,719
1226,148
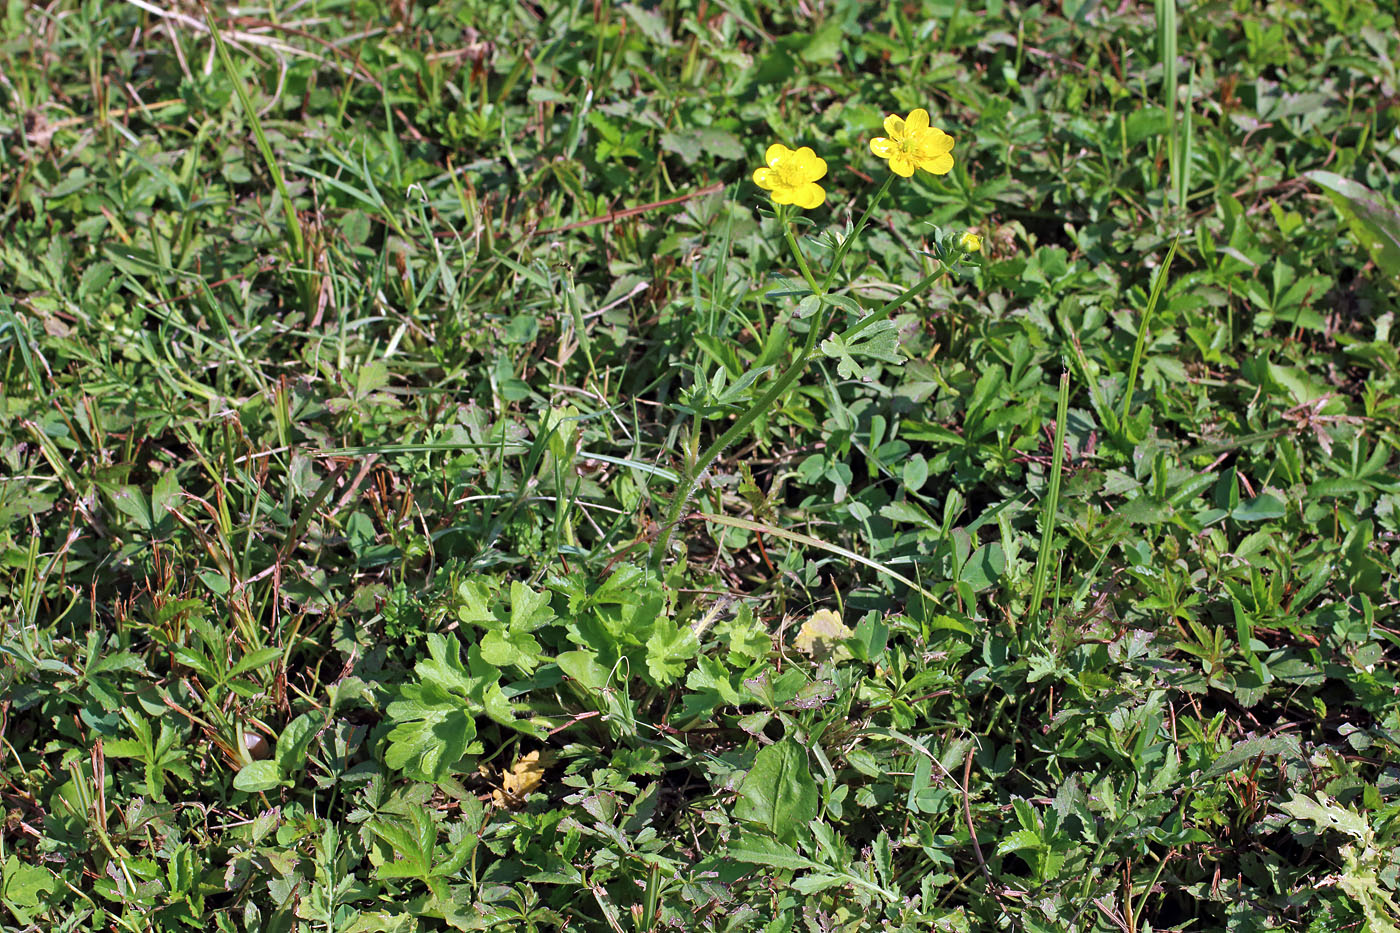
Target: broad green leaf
x,y
412,859
477,598
825,45
134,503
1249,750
513,649
652,24
879,341
528,609
294,741
583,667
915,472
1326,815
984,567
443,667
746,637
817,882
1374,222
759,850
778,792
1018,841
24,887
433,731
1261,508
258,776
668,649
255,659
711,676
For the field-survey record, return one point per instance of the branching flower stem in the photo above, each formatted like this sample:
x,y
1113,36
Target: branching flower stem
x,y
846,244
797,253
690,477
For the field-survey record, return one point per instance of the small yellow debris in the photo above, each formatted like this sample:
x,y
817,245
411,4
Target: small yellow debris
x,y
520,780
821,636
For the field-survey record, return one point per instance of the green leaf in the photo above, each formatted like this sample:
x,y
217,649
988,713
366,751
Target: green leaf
x,y
434,719
1326,815
24,887
668,648
1249,750
778,792
879,341
1372,221
651,24
711,676
258,776
432,733
412,844
984,567
293,743
816,883
1261,508
915,472
528,609
1018,841
477,598
255,659
758,850
691,143
165,496
443,667
515,649
134,503
825,45
583,667
747,638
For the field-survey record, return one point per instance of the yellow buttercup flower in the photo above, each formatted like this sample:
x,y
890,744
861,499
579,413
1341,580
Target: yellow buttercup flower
x,y
970,242
790,176
912,144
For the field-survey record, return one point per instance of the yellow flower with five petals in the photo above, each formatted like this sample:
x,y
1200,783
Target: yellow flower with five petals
x,y
912,144
790,176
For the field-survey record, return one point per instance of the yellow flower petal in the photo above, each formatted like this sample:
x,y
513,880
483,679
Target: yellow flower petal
x,y
940,142
809,196
775,152
782,195
901,164
917,121
938,165
765,178
894,126
810,166
882,147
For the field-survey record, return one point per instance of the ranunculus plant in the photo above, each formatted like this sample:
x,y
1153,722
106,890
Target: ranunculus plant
x,y
790,177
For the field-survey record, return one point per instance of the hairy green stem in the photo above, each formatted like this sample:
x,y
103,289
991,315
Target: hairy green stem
x,y
691,476
798,255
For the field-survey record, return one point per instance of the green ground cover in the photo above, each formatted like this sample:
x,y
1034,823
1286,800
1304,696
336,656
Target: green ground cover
x,y
356,361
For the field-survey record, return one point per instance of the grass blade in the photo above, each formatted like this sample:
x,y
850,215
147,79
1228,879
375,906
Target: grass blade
x,y
1141,345
1051,505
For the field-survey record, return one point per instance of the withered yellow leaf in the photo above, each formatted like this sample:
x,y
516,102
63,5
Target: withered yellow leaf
x,y
821,636
520,780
